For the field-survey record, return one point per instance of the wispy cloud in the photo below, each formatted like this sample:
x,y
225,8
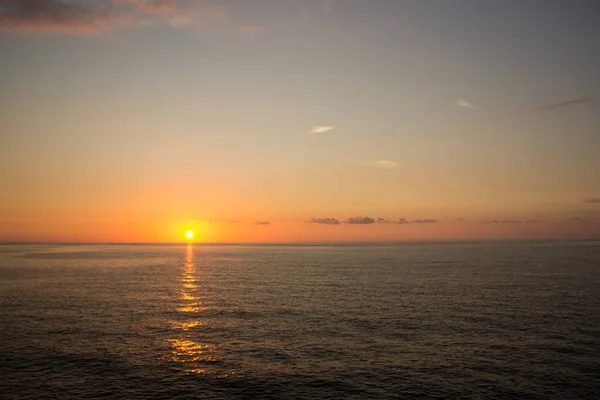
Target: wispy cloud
x,y
403,221
580,219
591,200
262,223
425,221
512,221
462,102
97,18
360,221
321,129
387,164
563,104
325,221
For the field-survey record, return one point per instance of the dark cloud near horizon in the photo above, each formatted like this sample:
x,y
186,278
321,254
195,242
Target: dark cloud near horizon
x,y
262,223
425,221
591,200
360,221
325,221
580,219
563,104
512,221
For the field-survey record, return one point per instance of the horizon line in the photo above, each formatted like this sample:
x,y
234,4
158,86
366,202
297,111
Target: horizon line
x,y
571,239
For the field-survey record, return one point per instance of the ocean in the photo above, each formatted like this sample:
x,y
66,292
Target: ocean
x,y
362,321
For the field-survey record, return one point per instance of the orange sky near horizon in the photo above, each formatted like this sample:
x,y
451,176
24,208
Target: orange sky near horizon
x,y
155,231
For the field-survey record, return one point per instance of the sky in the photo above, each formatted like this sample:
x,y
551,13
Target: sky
x,y
299,120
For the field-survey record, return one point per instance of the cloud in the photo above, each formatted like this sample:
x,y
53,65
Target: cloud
x,y
387,164
591,200
360,221
34,16
325,221
321,129
161,6
512,221
464,103
580,219
85,17
563,104
401,221
262,223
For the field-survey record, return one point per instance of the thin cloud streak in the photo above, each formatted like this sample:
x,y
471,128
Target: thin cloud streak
x,y
321,129
512,221
591,200
464,103
371,221
580,219
425,221
387,164
563,104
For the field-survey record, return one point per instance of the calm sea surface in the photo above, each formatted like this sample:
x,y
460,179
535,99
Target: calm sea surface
x,y
502,320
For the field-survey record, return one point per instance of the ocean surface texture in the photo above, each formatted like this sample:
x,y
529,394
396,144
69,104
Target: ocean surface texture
x,y
482,321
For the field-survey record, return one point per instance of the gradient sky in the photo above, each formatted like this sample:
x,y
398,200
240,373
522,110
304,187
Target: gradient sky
x,y
299,120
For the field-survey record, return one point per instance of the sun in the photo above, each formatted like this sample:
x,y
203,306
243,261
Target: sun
x,y
189,234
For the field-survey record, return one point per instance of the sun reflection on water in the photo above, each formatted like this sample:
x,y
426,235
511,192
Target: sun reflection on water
x,y
188,351
184,326
192,355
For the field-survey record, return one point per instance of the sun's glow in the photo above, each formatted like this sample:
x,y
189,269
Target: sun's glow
x,y
189,234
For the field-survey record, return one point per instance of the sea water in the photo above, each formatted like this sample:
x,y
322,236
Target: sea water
x,y
429,320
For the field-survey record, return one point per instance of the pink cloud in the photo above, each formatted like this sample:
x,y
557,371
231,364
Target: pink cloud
x,y
87,18
36,16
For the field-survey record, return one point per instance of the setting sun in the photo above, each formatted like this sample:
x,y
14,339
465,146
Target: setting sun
x,y
189,234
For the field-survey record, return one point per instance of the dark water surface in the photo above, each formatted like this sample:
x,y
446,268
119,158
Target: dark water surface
x,y
503,320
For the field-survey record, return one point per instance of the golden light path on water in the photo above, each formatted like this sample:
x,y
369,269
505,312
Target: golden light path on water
x,y
193,356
